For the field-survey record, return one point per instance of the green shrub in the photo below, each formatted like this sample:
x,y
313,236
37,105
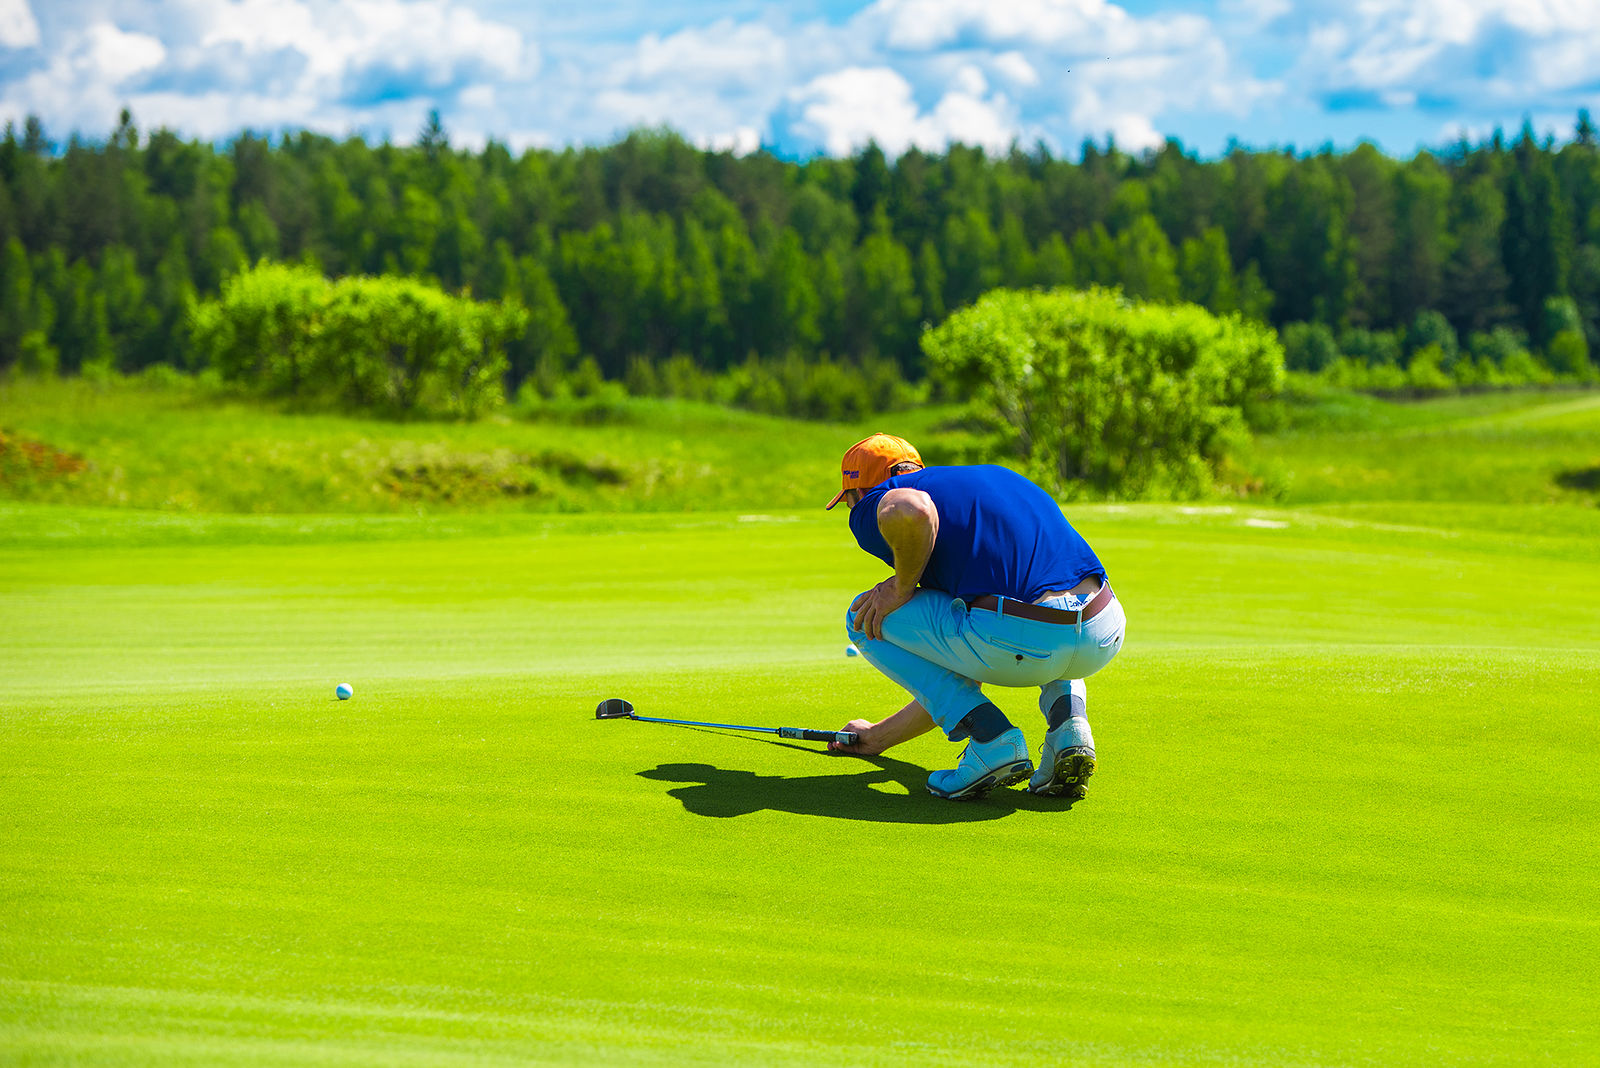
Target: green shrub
x,y
679,376
1348,373
1560,315
641,379
390,345
1386,378
1470,372
1308,347
1568,354
1497,345
163,376
1370,347
1106,395
793,385
1425,373
1523,368
1430,328
36,356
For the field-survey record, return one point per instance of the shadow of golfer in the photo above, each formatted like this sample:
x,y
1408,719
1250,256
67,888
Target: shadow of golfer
x,y
892,791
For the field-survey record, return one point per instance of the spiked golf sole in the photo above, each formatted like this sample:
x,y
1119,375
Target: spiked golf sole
x,y
1002,776
1070,779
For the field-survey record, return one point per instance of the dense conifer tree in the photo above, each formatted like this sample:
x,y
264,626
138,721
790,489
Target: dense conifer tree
x,y
633,253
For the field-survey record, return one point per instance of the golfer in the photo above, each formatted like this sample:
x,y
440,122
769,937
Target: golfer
x,y
991,585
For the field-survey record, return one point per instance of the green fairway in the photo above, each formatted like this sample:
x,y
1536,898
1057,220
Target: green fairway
x,y
1349,786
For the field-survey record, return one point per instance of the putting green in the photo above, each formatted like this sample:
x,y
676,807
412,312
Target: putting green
x,y
1346,811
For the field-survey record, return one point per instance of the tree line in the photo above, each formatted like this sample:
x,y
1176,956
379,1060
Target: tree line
x,y
649,260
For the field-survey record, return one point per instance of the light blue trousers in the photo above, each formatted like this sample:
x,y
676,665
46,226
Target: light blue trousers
x,y
942,652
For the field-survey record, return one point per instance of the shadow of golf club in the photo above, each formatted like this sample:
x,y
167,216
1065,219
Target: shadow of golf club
x,y
892,791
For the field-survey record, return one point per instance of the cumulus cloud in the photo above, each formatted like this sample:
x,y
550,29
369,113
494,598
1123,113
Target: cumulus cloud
x,y
843,110
717,83
18,27
1080,27
1481,53
725,55
221,65
901,72
1074,68
87,76
1014,67
364,50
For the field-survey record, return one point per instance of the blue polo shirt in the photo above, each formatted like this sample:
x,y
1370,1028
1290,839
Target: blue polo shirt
x,y
998,533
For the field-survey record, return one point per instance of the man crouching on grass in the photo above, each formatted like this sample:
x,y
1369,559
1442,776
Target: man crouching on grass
x,y
991,585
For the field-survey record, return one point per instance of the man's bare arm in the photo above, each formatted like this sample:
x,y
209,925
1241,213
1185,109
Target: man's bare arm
x,y
909,523
906,724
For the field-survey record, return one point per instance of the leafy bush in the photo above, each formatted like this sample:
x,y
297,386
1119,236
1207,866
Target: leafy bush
x,y
36,355
1308,347
1568,354
1386,378
1425,374
1495,359
1497,345
1347,373
1523,368
1370,347
390,345
816,388
1108,395
1430,328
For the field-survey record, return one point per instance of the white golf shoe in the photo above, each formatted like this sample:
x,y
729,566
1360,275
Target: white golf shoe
x,y
984,766
1066,762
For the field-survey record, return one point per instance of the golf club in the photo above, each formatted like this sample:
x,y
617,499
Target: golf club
x,y
617,708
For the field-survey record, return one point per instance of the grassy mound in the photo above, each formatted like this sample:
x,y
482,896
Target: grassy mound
x,y
177,447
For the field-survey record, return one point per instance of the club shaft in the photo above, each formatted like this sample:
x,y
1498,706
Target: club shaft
x,y
696,723
841,737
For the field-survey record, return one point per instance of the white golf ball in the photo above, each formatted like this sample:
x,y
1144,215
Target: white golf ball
x,y
344,691
851,650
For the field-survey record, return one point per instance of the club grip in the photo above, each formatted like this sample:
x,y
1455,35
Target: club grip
x,y
841,737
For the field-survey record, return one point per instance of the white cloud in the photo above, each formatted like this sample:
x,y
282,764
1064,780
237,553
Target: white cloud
x,y
971,120
432,40
117,56
85,82
1132,129
1014,66
1070,27
724,53
18,27
1075,67
223,65
1254,14
905,72
718,84
843,110
969,81
741,142
1488,53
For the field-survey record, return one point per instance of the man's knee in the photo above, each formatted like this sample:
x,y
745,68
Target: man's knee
x,y
850,619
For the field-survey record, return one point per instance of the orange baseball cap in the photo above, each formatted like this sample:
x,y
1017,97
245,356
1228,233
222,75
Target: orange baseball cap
x,y
867,462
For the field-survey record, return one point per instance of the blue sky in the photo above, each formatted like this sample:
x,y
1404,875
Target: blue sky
x,y
812,75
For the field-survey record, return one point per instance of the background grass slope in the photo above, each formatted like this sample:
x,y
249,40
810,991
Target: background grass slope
x,y
1348,768
176,447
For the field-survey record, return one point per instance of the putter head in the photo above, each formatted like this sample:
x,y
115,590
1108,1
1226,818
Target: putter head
x,y
613,708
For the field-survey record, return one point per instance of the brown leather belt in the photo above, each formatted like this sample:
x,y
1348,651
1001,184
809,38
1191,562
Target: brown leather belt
x,y
1024,610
